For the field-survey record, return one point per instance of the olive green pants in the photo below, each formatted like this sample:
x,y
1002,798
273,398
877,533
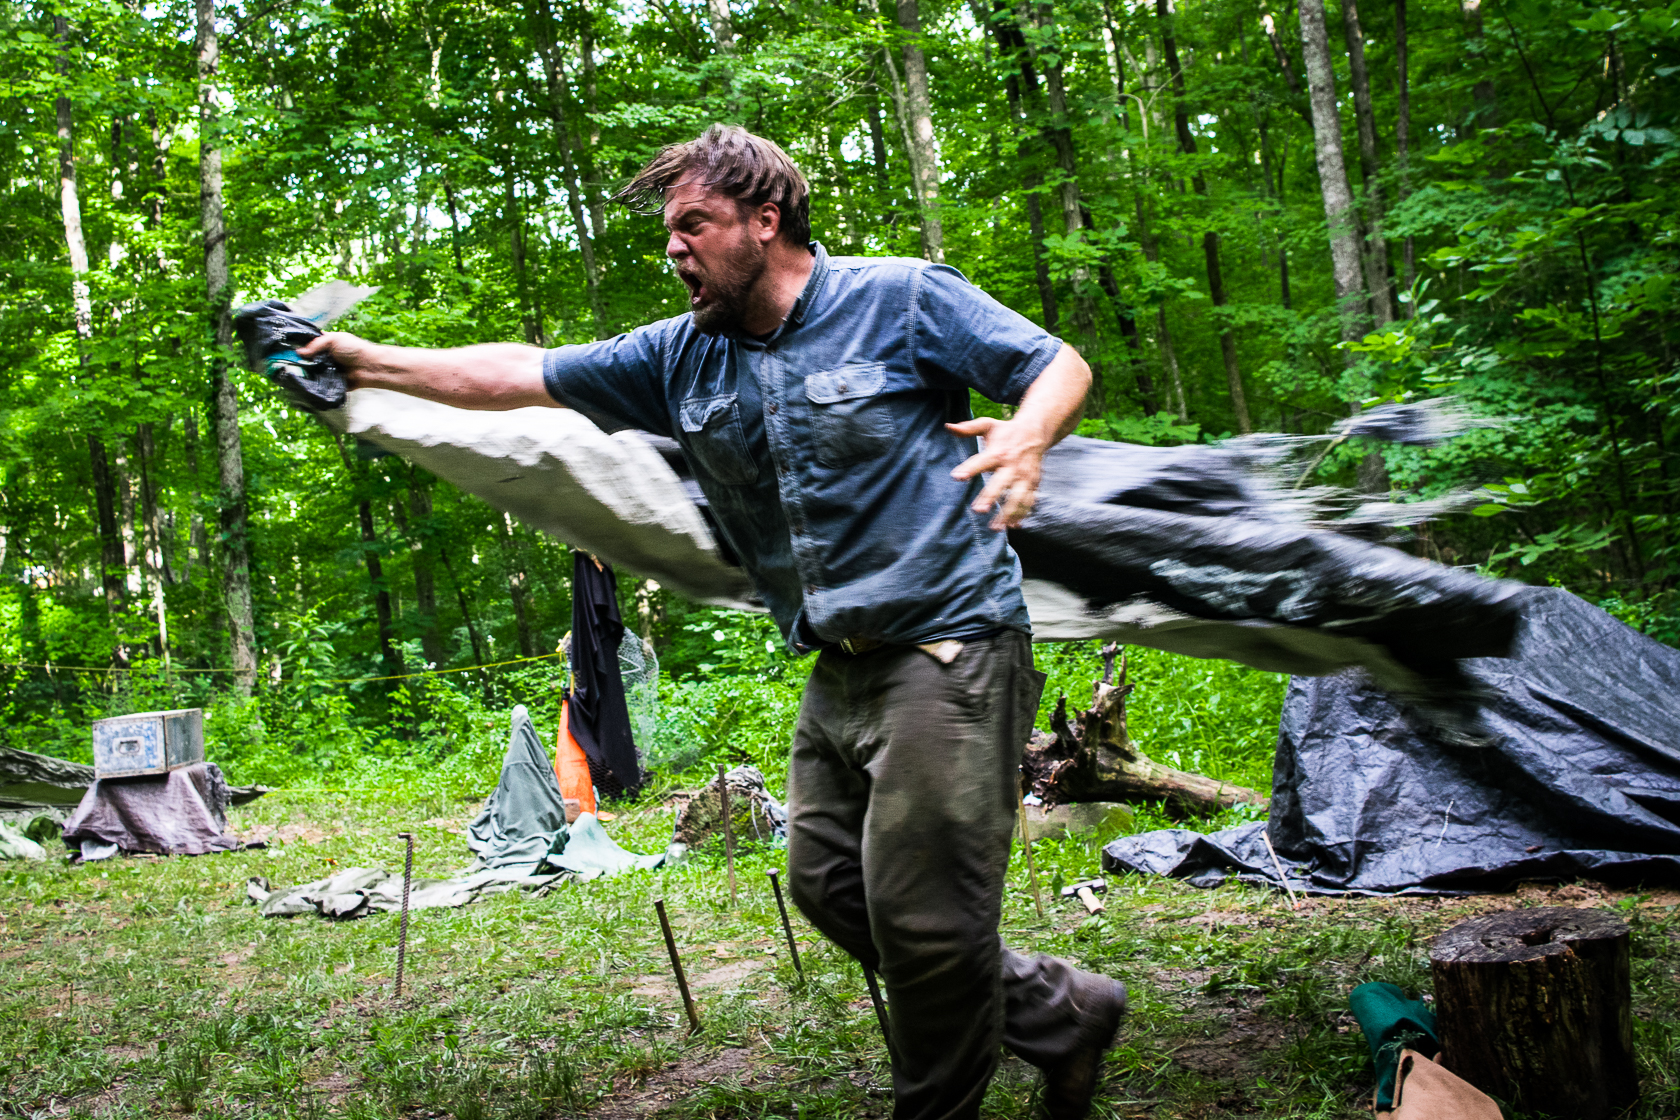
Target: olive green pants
x,y
903,789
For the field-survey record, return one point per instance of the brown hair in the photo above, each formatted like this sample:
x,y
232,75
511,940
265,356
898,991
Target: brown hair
x,y
732,161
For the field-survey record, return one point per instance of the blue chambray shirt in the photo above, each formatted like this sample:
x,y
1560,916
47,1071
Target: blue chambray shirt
x,y
823,450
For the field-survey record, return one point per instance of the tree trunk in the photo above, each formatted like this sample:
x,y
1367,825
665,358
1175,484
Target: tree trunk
x,y
542,25
924,145
1332,172
466,613
1370,169
112,569
230,463
1486,113
1095,760
1403,137
1210,238
1002,25
723,28
519,592
389,655
591,137
419,532
1535,1008
1284,65
530,316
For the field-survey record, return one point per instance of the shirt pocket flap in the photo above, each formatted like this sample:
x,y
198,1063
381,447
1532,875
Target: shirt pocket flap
x,y
846,383
697,412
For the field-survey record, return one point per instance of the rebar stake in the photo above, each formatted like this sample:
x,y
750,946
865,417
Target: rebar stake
x,y
787,927
402,934
676,967
728,830
880,1004
1032,872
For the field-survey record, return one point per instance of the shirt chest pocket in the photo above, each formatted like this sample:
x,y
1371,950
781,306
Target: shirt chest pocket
x,y
851,413
713,436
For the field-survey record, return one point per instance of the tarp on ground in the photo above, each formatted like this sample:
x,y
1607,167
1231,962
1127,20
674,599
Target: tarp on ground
x,y
183,812
1580,776
1201,550
521,839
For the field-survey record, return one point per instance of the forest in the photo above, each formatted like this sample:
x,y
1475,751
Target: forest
x,y
1249,218
1253,217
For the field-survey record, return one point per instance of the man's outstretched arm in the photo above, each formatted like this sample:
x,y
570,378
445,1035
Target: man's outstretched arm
x,y
1014,449
492,376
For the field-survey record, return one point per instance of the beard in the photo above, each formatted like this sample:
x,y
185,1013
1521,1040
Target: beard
x,y
726,288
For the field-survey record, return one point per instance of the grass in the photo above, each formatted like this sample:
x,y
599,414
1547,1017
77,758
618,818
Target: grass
x,y
148,987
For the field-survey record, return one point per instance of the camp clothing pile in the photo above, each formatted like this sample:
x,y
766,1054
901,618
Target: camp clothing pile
x,y
1202,550
1578,775
597,715
521,839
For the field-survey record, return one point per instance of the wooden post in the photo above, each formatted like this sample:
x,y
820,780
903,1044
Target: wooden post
x,y
1535,1008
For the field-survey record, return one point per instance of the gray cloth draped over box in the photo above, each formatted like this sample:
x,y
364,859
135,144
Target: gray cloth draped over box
x,y
1580,776
183,812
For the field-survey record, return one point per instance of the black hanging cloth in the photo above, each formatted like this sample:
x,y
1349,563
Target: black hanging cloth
x,y
599,717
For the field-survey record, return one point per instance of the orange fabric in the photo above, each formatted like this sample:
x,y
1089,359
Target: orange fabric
x,y
572,768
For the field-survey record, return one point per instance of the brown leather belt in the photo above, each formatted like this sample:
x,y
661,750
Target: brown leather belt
x,y
855,646
945,652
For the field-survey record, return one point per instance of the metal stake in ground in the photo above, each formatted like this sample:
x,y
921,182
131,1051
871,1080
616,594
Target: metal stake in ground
x,y
787,927
728,830
676,967
1032,872
880,1004
402,934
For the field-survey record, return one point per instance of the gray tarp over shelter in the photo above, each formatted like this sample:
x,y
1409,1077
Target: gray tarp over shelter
x,y
1581,776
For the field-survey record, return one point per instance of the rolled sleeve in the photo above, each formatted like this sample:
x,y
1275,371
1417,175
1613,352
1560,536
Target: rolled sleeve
x,y
618,383
965,338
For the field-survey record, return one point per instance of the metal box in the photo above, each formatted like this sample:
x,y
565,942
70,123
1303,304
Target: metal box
x,y
147,742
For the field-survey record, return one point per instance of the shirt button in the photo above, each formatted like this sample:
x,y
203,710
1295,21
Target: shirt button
x,y
771,408
810,589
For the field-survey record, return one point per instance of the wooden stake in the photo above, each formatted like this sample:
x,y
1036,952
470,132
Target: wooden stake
x,y
676,967
1032,872
1294,903
728,830
787,927
402,935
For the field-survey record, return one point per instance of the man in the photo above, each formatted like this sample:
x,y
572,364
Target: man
x,y
823,403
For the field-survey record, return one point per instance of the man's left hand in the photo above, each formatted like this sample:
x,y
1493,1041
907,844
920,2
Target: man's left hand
x,y
1013,454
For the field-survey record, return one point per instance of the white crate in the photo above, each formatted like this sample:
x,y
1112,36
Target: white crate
x,y
147,742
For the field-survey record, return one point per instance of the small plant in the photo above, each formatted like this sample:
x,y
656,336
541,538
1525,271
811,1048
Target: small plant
x,y
186,1075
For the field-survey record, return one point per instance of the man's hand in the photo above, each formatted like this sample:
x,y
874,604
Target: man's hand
x,y
1014,449
1013,455
351,354
492,376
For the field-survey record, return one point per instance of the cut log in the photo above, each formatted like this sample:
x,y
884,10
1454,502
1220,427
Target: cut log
x,y
1535,1008
1095,759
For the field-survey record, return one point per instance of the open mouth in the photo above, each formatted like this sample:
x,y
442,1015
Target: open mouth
x,y
696,288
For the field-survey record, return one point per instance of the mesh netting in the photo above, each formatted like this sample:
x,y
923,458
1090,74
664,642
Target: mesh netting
x,y
639,667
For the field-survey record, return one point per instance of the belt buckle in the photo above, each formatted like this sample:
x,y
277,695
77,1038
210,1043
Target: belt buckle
x,y
856,646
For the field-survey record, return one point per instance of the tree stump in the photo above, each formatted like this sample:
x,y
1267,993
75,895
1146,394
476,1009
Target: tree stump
x,y
1535,1008
1091,757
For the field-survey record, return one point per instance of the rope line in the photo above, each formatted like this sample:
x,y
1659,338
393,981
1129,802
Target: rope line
x,y
319,680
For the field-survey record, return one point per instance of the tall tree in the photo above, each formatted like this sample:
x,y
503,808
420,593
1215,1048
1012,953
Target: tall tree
x,y
542,29
230,459
921,139
1210,237
1370,169
112,560
1339,213
1403,133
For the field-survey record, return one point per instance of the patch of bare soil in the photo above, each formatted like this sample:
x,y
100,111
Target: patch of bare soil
x,y
285,834
679,1079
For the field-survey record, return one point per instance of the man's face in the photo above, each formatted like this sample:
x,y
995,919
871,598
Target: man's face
x,y
719,253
